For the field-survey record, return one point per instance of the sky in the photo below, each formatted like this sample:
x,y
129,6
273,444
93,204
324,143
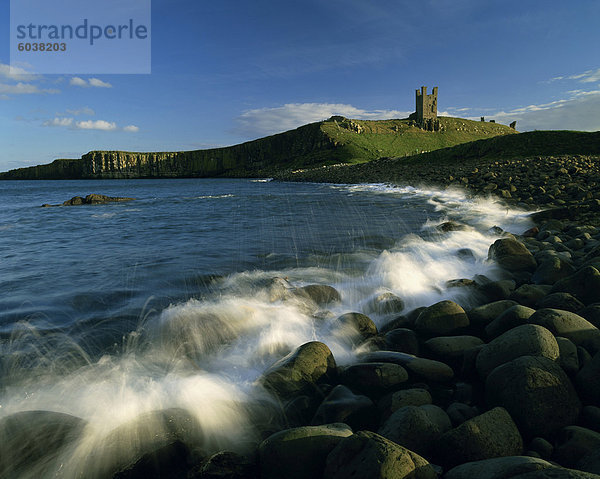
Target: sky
x,y
231,71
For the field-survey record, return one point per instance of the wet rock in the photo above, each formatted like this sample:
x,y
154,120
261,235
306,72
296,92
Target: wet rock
x,y
512,255
459,412
552,270
590,463
386,303
467,255
321,294
300,452
373,377
407,397
416,427
441,318
584,285
94,199
418,368
542,447
498,468
483,315
497,290
29,438
591,313
536,392
343,406
564,301
590,418
169,462
403,340
569,325
366,454
359,324
511,318
299,372
525,340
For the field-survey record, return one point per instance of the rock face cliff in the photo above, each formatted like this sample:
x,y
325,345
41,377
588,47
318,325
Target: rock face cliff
x,y
337,140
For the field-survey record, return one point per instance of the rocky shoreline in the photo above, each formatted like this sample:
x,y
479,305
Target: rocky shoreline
x,y
510,388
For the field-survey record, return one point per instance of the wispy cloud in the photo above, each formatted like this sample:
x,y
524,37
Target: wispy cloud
x,y
82,111
265,121
92,82
15,73
17,81
590,76
21,88
131,128
103,125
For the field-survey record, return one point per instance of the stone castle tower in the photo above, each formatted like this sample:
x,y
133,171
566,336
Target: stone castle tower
x,y
425,115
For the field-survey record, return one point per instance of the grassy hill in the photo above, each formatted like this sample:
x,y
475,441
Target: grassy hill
x,y
337,140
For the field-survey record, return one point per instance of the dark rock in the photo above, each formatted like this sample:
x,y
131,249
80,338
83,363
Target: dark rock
x,y
536,392
300,371
373,377
557,473
300,452
574,443
94,199
459,412
569,325
590,462
584,285
525,340
564,301
530,294
591,313
590,418
228,465
542,447
168,461
442,318
552,270
418,368
402,340
512,255
588,381
342,405
568,358
416,427
321,294
483,315
28,438
498,468
511,318
498,290
406,397
369,455
451,347
491,434
466,254
386,303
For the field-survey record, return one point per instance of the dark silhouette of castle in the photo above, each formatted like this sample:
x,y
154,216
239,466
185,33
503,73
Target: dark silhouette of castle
x,y
425,116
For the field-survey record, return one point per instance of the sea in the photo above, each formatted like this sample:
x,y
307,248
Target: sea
x,y
112,311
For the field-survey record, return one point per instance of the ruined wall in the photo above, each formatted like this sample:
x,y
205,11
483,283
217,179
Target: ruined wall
x,y
426,109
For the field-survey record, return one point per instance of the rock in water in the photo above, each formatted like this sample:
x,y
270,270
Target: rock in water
x,y
94,199
445,317
512,255
301,452
300,371
369,455
321,294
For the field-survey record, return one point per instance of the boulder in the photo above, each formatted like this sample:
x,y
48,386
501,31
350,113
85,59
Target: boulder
x,y
483,315
591,313
530,294
498,468
491,434
460,412
321,294
568,359
416,427
343,406
300,452
511,318
300,371
369,455
574,443
386,303
569,325
445,317
536,392
512,255
498,290
588,381
405,397
372,377
228,465
557,473
417,368
525,340
584,285
551,270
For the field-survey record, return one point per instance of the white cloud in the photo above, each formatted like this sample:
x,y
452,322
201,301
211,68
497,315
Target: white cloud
x,y
590,76
580,111
93,82
131,129
96,125
99,83
266,121
59,122
15,73
21,88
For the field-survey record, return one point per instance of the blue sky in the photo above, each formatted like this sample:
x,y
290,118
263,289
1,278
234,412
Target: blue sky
x,y
230,71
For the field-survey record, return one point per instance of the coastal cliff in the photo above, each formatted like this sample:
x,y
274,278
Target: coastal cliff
x,y
337,140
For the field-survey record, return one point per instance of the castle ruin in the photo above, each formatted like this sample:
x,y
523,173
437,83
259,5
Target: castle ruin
x,y
425,116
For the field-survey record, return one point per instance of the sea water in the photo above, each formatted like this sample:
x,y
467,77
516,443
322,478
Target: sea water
x,y
111,311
